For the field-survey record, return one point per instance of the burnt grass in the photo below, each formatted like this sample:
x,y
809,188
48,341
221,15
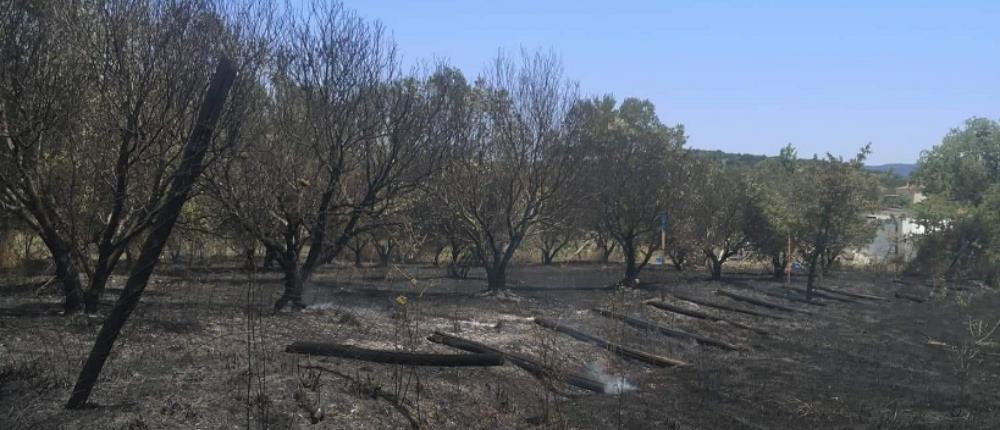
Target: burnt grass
x,y
204,350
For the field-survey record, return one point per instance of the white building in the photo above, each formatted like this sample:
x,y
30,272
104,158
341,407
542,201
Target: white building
x,y
896,236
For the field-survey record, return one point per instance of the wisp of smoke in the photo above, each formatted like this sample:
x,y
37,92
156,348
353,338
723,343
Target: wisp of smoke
x,y
613,384
321,306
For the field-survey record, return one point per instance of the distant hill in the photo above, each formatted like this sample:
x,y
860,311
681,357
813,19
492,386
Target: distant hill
x,y
901,169
728,158
749,160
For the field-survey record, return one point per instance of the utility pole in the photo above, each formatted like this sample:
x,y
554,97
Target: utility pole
x,y
663,232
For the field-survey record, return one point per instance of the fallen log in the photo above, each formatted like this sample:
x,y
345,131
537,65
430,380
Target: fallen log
x,y
854,295
726,307
911,298
394,357
619,349
760,303
822,295
667,331
791,298
529,364
698,314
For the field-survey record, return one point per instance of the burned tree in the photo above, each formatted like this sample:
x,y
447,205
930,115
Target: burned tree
x,y
343,138
510,161
554,236
96,100
182,181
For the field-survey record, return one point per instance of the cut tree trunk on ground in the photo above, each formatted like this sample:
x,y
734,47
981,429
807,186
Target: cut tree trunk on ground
x,y
394,357
854,295
667,331
760,303
791,298
822,295
529,364
910,297
621,350
726,307
698,314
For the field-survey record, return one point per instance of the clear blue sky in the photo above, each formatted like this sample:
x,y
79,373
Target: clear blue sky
x,y
744,76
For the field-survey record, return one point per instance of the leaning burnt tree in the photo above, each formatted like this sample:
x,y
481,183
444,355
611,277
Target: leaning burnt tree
x,y
182,181
510,163
343,142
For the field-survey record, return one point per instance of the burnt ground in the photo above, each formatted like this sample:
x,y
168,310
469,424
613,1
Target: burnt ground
x,y
205,351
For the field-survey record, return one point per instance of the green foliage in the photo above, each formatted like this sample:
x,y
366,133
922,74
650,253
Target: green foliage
x,y
819,204
962,212
965,164
630,159
731,159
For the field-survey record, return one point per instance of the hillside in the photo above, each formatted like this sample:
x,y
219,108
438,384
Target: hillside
x,y
901,169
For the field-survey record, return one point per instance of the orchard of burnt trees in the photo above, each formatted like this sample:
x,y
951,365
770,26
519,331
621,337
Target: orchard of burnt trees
x,y
299,136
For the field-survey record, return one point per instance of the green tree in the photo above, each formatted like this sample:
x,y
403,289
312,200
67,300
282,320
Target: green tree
x,y
834,196
773,209
630,158
962,213
720,200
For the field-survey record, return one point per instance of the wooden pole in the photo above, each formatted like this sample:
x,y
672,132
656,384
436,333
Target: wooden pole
x,y
757,302
667,331
701,315
726,307
531,365
394,357
621,350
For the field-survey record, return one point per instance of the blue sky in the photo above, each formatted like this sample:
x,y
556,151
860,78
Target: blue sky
x,y
744,76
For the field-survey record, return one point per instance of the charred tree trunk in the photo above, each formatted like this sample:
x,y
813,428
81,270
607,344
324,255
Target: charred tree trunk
x,y
395,357
294,280
496,276
547,257
679,259
69,277
777,267
550,248
725,307
384,251
187,173
102,272
667,331
270,257
529,364
458,266
715,263
702,315
813,271
357,258
631,261
607,248
760,303
618,349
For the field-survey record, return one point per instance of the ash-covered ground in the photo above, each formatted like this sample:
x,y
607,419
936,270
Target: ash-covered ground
x,y
204,350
